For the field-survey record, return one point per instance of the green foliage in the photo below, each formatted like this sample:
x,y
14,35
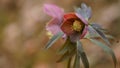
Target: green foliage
x,y
100,33
53,40
82,54
96,30
67,51
105,48
71,49
77,61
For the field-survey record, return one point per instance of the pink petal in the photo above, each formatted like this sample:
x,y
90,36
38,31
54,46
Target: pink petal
x,y
64,36
84,32
54,11
71,15
66,27
81,18
53,26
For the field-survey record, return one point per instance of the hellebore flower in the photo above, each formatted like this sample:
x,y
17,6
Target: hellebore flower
x,y
72,24
73,27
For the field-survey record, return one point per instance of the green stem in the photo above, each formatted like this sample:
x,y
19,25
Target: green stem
x,y
69,63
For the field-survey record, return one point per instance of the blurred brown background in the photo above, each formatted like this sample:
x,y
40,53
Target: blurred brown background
x,y
23,35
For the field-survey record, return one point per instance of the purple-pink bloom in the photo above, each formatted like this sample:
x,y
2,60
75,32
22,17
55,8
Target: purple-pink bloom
x,y
71,24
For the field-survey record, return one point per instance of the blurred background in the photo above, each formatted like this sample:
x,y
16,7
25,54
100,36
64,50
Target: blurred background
x,y
23,35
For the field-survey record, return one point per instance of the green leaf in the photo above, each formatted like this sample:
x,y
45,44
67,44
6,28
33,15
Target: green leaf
x,y
107,49
110,37
92,32
67,51
82,54
69,63
99,27
65,47
53,40
96,26
102,35
77,61
67,55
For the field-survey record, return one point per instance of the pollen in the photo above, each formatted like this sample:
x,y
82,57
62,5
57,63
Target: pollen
x,y
49,34
77,25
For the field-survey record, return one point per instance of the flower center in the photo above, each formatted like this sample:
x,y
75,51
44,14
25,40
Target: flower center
x,y
77,25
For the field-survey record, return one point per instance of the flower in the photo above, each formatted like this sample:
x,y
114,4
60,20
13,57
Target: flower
x,y
72,24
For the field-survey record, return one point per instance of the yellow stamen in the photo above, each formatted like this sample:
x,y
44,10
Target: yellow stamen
x,y
49,34
77,26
